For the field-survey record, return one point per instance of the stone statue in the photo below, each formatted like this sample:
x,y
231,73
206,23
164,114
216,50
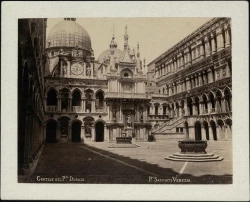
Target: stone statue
x,y
88,129
114,114
88,71
64,70
128,118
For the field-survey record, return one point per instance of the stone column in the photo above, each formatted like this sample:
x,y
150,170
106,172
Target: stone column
x,y
210,75
200,79
93,135
213,44
196,80
201,107
211,137
223,104
84,69
202,52
70,104
203,133
209,106
194,109
58,104
82,132
92,106
227,36
219,37
82,104
188,83
207,46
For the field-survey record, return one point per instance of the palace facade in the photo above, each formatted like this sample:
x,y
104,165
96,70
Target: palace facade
x,y
66,94
88,99
195,77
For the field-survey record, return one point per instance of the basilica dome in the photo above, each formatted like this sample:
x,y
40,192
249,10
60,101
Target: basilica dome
x,y
68,33
106,54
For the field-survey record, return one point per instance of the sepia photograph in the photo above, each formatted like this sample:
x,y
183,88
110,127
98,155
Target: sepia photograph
x,y
109,107
125,101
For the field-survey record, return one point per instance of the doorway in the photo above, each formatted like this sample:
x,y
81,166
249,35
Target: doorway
x,y
76,131
99,128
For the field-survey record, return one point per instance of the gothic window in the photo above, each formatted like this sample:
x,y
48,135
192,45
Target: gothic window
x,y
52,98
125,74
99,100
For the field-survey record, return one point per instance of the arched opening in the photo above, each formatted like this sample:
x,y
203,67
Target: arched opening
x,y
228,131
99,128
205,125
156,109
51,131
182,108
205,106
228,100
177,109
88,94
164,108
99,100
51,100
76,131
197,127
186,130
221,129
190,106
218,102
125,74
212,102
213,127
197,103
64,99
76,101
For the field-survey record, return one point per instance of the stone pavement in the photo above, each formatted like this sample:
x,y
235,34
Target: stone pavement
x,y
95,162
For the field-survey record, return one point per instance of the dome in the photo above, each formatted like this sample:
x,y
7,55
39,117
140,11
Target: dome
x,y
68,33
117,54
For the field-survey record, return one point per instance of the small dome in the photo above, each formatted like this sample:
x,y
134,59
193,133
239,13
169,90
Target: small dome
x,y
68,33
117,54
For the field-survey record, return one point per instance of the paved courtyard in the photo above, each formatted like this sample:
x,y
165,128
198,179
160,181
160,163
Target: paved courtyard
x,y
93,162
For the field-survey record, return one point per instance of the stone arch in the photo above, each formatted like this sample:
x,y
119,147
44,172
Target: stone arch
x,y
197,104
99,95
206,128
99,130
228,129
228,99
52,96
76,99
77,89
190,105
213,129
127,71
51,88
219,95
211,97
197,128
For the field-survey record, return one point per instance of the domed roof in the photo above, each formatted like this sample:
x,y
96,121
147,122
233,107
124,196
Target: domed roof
x,y
68,33
117,54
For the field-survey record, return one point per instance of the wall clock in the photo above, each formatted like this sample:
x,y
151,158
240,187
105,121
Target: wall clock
x,y
76,68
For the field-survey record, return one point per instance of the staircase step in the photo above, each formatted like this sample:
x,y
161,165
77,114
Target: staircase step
x,y
195,159
178,154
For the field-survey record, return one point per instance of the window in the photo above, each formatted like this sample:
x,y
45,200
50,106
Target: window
x,y
126,74
177,130
181,130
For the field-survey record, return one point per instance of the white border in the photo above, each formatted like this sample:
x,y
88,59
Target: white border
x,y
238,11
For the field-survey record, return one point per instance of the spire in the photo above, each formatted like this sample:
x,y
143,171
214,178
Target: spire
x,y
138,51
139,66
126,37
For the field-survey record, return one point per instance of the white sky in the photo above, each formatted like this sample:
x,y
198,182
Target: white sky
x,y
155,35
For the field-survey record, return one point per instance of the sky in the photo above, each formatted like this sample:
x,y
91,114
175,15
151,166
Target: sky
x,y
155,35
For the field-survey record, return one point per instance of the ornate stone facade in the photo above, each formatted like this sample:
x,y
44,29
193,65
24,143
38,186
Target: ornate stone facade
x,y
31,59
195,79
93,100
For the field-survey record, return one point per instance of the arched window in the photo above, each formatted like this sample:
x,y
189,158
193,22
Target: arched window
x,y
99,100
52,53
76,98
125,74
52,98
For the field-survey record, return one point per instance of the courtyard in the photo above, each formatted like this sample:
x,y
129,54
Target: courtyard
x,y
95,162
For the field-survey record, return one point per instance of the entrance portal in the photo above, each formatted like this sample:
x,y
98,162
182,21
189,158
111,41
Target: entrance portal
x,y
51,131
197,131
76,131
99,128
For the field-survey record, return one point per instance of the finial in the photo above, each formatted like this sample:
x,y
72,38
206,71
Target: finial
x,y
126,29
113,30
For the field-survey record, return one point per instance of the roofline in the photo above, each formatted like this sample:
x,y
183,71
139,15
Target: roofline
x,y
181,41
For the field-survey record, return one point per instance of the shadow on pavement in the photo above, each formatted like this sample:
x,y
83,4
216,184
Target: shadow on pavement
x,y
70,163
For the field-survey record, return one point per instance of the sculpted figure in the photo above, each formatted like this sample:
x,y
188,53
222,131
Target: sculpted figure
x,y
88,71
129,120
